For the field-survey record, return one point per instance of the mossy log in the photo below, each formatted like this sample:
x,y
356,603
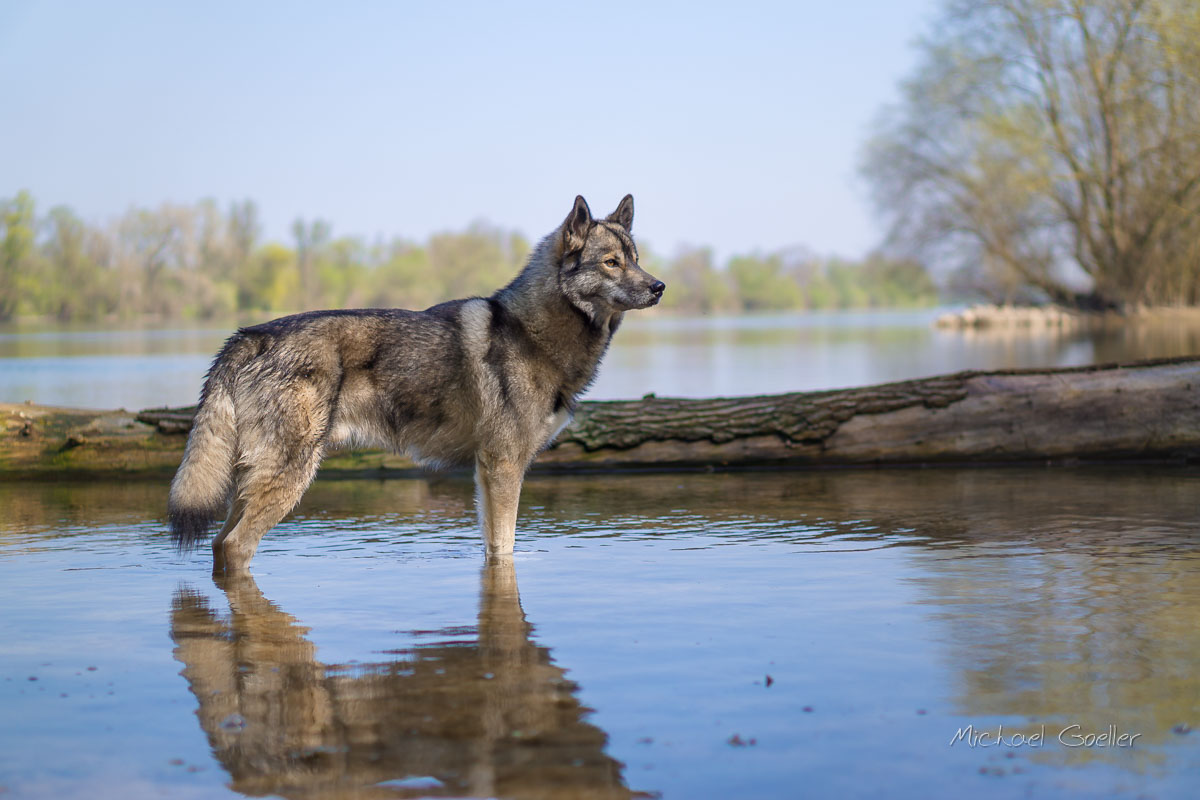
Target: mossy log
x,y
1148,410
1143,411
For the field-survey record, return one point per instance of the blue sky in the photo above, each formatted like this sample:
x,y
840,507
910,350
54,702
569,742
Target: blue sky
x,y
736,124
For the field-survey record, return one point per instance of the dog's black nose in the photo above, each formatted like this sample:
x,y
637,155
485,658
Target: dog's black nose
x,y
657,287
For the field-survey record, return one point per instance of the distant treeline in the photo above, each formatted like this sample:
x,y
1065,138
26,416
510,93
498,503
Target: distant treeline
x,y
202,262
789,280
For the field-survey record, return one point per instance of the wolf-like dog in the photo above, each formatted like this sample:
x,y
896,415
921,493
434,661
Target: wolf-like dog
x,y
484,381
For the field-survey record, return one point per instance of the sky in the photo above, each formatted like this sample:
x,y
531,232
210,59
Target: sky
x,y
737,125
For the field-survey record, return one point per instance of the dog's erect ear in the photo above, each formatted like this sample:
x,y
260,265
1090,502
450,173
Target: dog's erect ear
x,y
623,216
574,230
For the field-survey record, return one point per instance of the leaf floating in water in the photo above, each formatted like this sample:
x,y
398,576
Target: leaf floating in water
x,y
234,722
415,782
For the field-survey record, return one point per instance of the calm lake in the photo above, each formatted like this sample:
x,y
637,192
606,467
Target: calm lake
x,y
990,633
670,356
740,635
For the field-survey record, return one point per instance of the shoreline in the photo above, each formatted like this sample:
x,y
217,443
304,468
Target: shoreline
x,y
34,324
1052,317
948,316
1142,411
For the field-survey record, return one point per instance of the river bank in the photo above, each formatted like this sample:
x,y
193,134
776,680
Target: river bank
x,y
1139,411
1060,318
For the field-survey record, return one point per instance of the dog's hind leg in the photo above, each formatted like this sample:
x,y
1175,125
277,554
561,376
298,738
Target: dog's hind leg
x,y
497,493
265,495
282,429
218,542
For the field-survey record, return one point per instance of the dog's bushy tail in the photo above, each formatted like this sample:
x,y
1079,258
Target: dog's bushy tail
x,y
200,491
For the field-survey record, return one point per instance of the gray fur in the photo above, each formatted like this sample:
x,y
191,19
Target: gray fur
x,y
483,381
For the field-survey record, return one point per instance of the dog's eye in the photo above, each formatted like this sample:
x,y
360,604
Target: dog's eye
x,y
611,262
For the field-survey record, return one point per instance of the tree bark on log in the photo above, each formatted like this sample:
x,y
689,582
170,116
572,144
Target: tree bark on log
x,y
1143,411
1146,410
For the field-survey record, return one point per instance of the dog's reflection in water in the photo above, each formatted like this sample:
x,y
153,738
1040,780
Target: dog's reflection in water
x,y
488,718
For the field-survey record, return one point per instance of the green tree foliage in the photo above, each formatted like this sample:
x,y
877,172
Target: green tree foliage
x,y
695,284
897,283
1052,146
476,261
764,284
197,262
18,258
791,280
74,281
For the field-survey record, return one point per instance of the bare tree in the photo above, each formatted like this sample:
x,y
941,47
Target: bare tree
x,y
311,239
155,248
244,230
1057,141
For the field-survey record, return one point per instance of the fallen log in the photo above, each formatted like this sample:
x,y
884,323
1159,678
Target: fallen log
x,y
1142,411
1148,410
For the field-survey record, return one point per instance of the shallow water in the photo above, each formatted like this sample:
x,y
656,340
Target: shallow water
x,y
730,635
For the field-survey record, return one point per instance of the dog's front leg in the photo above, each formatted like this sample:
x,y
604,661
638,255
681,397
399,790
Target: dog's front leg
x,y
497,492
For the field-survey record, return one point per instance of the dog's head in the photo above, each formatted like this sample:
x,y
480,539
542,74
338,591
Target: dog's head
x,y
598,268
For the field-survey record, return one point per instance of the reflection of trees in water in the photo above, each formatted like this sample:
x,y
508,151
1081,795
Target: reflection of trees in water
x,y
1077,638
1064,596
1074,609
1090,507
41,510
492,717
1164,336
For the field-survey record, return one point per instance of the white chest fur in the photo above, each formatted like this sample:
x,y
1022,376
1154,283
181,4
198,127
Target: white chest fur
x,y
555,423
